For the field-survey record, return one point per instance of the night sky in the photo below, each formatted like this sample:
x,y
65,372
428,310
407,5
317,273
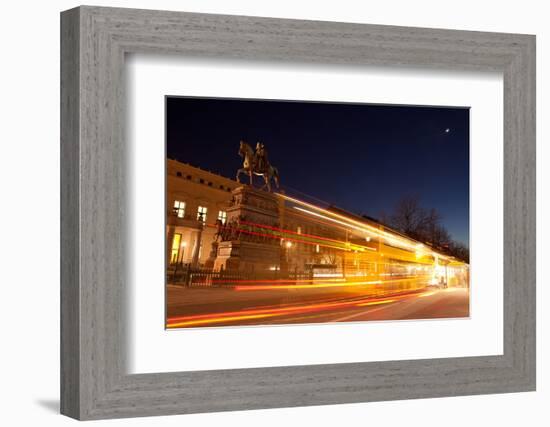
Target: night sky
x,y
360,157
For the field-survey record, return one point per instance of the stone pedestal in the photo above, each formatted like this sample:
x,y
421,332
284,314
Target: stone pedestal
x,y
249,243
209,264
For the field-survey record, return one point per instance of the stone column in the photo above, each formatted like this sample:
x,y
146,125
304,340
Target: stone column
x,y
197,247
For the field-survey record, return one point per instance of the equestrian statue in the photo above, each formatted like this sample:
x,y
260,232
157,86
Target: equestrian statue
x,y
257,163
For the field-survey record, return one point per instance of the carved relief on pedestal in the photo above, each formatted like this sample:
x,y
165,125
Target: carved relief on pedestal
x,y
249,239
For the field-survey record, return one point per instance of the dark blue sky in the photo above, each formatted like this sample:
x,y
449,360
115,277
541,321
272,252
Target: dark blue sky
x,y
360,157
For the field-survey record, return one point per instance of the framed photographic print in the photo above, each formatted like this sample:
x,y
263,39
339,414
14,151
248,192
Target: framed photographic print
x,y
281,213
298,246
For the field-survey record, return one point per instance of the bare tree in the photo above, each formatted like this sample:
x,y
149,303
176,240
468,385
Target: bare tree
x,y
430,229
460,251
440,236
409,216
422,224
414,220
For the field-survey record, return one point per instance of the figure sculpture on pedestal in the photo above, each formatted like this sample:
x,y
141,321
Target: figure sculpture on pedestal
x,y
257,163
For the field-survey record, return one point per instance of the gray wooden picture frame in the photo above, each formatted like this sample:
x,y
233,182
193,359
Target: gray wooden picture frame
x,y
94,381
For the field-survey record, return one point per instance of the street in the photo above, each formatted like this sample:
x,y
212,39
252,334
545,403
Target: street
x,y
215,307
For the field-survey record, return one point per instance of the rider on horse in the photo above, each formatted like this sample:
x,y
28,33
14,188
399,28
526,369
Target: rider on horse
x,y
262,164
256,163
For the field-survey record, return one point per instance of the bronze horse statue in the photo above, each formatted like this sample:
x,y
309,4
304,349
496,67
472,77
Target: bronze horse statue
x,y
250,167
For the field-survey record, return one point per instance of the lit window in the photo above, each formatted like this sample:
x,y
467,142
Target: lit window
x,y
317,248
175,248
222,216
179,208
201,213
299,230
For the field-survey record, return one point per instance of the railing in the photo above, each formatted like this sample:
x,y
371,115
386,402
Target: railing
x,y
184,275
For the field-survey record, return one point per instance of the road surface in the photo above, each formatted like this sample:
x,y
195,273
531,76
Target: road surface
x,y
215,307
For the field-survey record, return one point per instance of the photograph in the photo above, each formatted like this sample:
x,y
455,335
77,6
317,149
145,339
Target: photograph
x,y
292,212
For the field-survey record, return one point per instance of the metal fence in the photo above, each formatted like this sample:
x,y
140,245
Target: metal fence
x,y
186,275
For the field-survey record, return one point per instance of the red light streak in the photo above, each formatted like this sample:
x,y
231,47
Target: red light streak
x,y
183,321
255,233
276,280
348,246
330,284
293,232
309,286
234,316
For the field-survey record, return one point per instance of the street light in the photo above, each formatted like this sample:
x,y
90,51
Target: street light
x,y
201,220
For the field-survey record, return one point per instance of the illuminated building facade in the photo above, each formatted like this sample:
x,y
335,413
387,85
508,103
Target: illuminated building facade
x,y
195,199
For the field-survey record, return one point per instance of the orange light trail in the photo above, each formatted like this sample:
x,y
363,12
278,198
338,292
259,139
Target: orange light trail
x,y
295,240
315,285
182,321
277,237
255,233
376,302
344,246
349,222
300,215
277,280
201,319
427,294
380,233
218,320
312,236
